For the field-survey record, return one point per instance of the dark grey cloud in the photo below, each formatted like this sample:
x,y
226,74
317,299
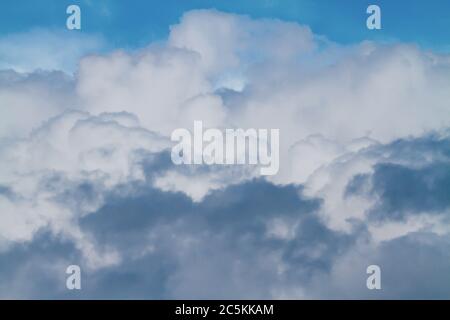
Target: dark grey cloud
x,y
413,178
415,266
220,240
227,244
36,269
173,247
404,190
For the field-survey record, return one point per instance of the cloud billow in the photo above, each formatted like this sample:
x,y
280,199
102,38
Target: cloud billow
x,y
86,175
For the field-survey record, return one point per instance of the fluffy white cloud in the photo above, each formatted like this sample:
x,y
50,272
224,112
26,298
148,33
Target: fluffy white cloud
x,y
62,171
338,109
228,42
30,99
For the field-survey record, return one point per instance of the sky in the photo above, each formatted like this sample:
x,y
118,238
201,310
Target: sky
x,y
126,25
87,178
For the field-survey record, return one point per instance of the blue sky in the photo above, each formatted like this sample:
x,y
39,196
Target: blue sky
x,y
125,25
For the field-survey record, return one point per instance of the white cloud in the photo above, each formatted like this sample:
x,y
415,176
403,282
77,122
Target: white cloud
x,y
46,171
331,103
30,99
226,41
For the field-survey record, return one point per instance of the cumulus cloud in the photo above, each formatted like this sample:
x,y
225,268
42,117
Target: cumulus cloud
x,y
39,95
363,168
62,170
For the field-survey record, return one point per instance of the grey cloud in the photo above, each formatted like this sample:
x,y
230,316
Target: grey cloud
x,y
173,247
96,187
225,246
404,190
412,177
415,266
